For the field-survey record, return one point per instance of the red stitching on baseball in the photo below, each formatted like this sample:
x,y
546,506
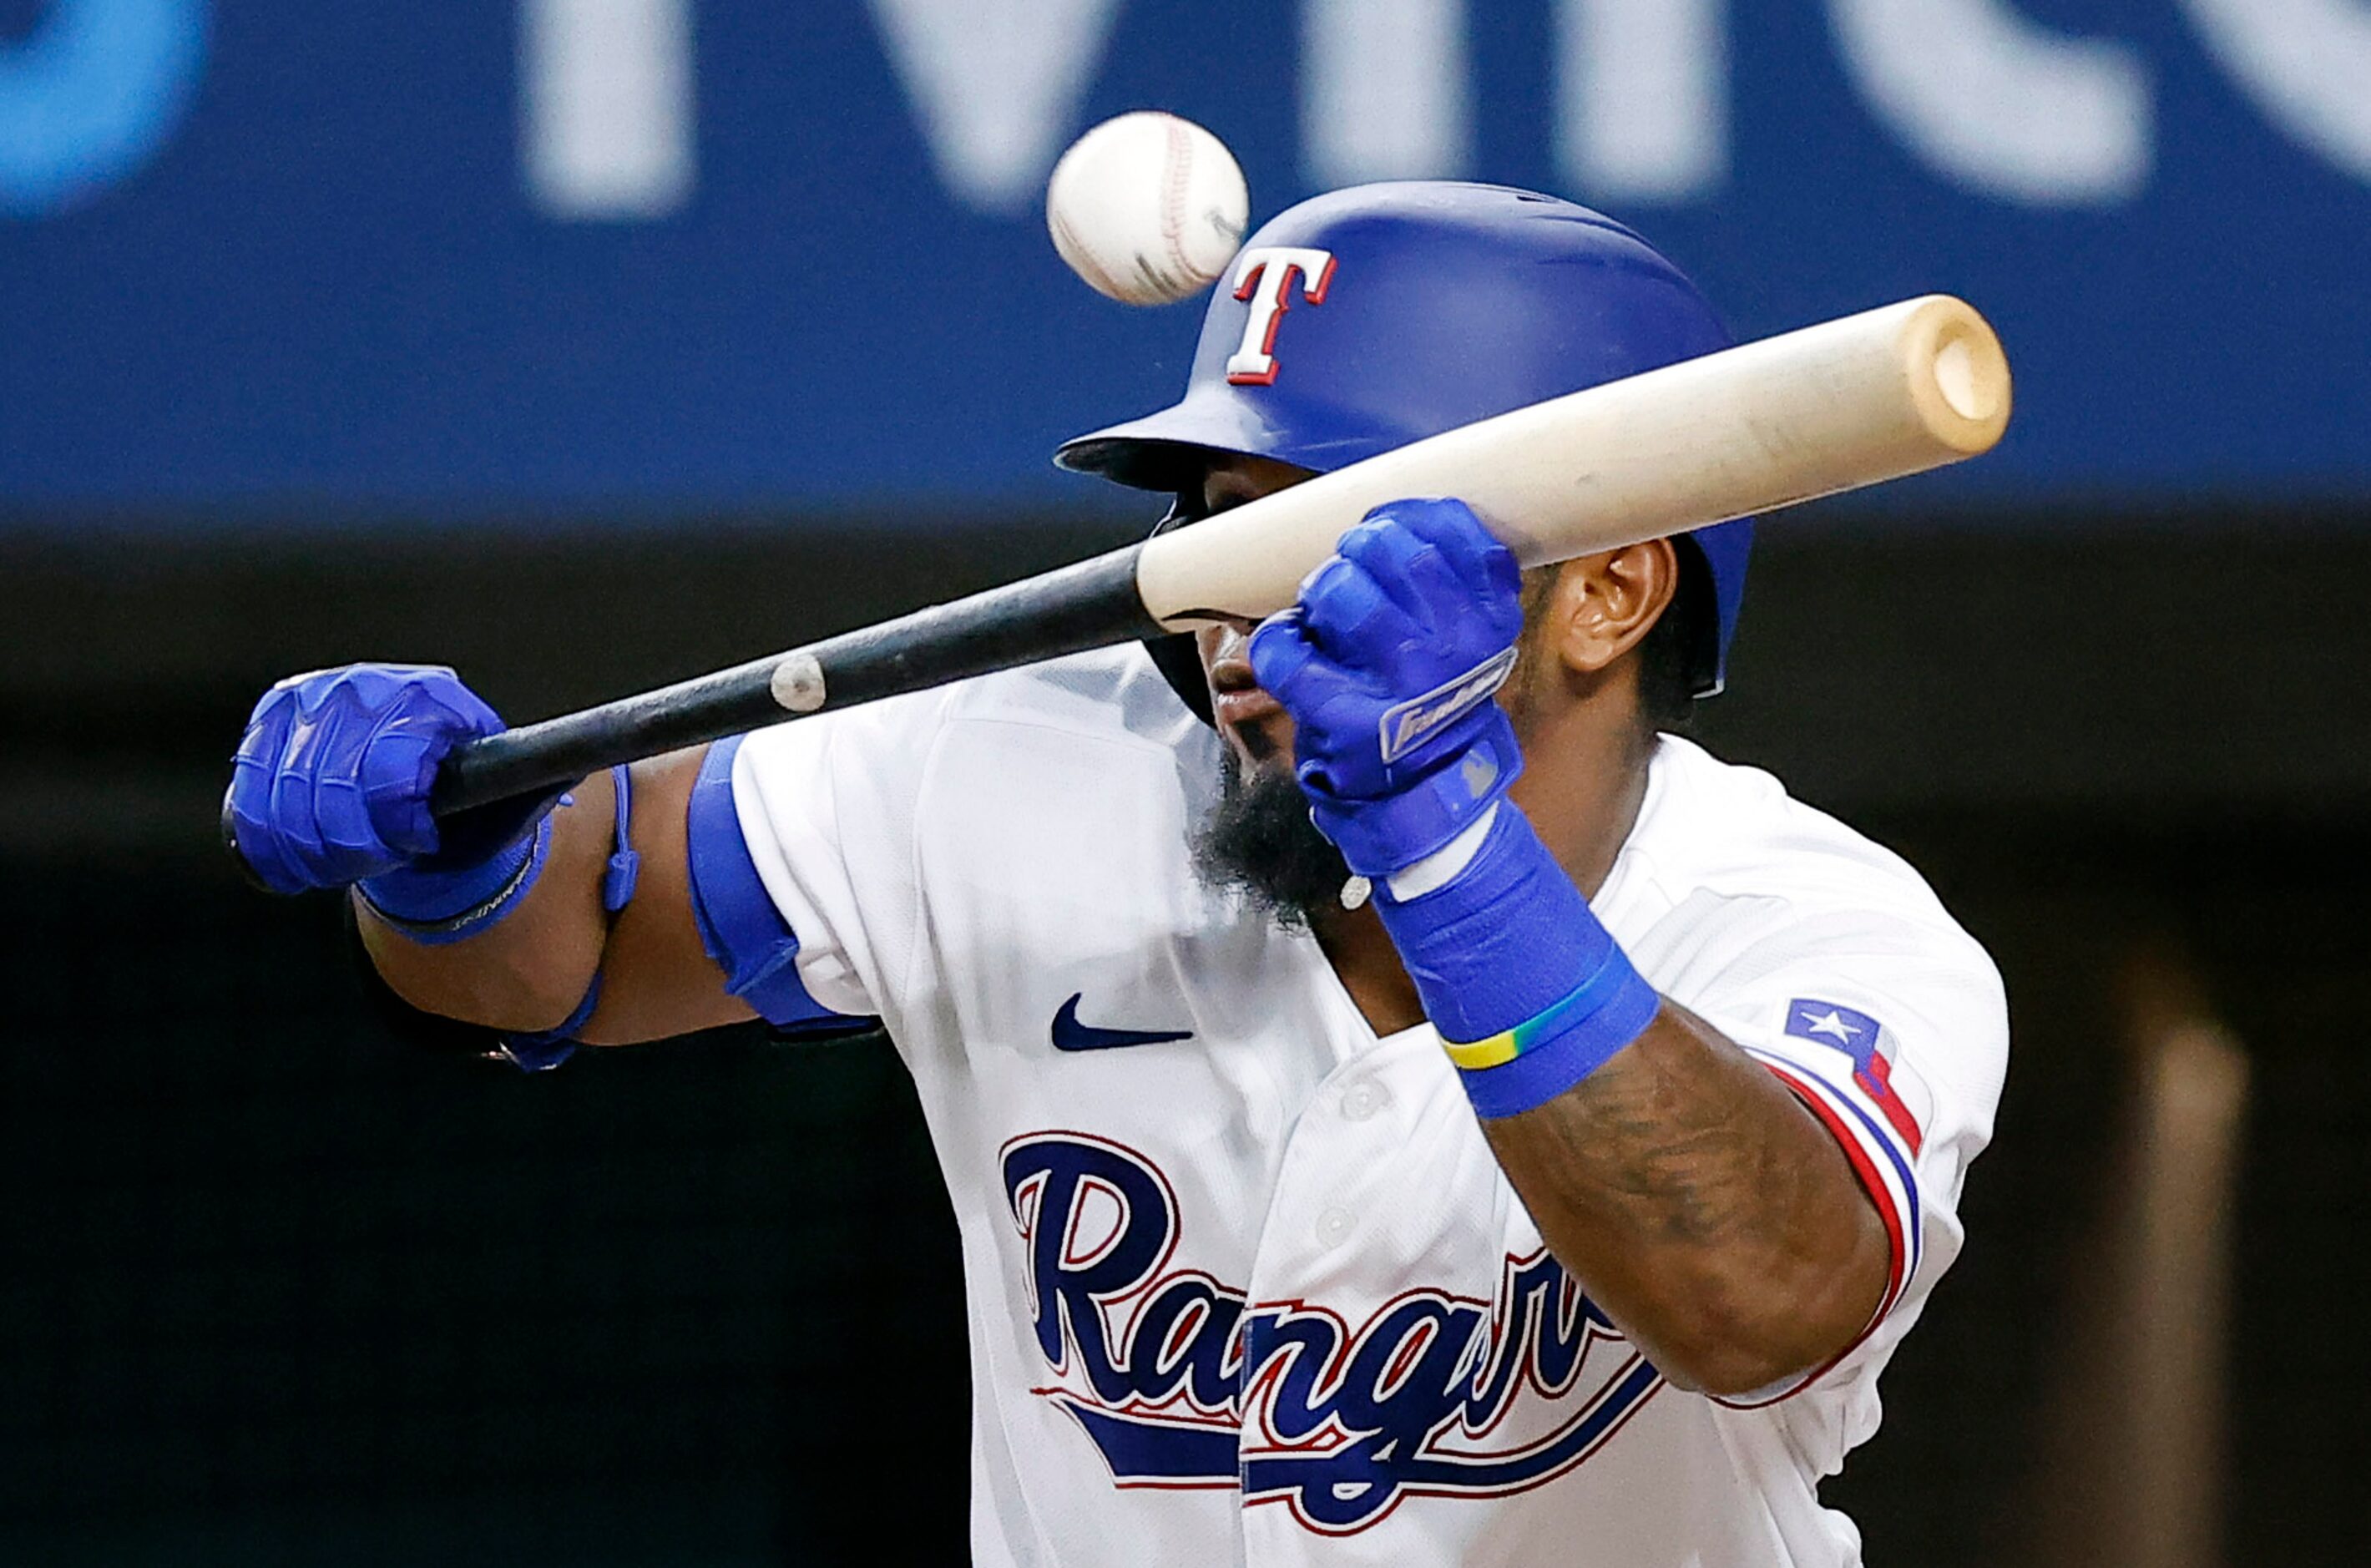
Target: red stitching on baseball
x,y
1173,203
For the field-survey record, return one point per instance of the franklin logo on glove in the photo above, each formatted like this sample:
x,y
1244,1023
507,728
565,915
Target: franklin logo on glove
x,y
1412,723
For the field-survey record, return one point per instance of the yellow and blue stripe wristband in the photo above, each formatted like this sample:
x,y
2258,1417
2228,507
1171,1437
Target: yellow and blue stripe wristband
x,y
1520,1069
1501,940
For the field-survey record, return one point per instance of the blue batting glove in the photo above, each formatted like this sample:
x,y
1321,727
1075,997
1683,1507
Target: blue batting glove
x,y
1388,665
330,785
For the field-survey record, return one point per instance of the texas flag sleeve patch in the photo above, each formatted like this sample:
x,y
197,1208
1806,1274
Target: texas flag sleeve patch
x,y
1863,1039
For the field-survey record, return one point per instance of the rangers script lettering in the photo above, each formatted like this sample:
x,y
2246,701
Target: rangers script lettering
x,y
1178,1385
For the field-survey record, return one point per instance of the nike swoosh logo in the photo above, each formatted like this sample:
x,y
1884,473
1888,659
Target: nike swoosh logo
x,y
1071,1035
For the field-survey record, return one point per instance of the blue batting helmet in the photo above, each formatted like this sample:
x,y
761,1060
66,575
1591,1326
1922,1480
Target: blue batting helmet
x,y
1366,319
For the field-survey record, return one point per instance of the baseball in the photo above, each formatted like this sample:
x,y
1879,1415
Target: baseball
x,y
1146,207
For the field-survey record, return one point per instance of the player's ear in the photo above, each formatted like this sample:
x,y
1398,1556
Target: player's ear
x,y
1603,605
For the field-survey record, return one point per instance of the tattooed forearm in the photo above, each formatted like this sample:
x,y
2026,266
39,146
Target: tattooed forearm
x,y
1703,1207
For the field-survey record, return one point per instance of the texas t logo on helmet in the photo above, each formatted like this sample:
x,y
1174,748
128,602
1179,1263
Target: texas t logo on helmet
x,y
1265,276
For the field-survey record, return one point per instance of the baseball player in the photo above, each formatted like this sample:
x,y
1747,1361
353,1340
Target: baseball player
x,y
1402,1103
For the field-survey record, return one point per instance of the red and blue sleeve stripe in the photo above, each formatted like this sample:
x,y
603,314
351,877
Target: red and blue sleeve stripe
x,y
1870,1147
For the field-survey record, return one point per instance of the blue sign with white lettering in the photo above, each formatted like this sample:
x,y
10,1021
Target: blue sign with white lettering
x,y
634,256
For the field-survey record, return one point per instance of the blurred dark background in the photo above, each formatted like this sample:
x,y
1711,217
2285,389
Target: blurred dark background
x,y
584,344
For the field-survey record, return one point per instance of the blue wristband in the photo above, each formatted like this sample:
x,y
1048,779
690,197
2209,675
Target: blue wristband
x,y
1508,955
433,908
1549,1054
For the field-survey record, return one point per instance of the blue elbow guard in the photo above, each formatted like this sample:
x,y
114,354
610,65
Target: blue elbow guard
x,y
1529,993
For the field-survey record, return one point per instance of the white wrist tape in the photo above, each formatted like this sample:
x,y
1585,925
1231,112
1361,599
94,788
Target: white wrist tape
x,y
1439,868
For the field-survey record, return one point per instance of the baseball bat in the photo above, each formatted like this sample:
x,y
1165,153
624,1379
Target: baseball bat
x,y
1748,430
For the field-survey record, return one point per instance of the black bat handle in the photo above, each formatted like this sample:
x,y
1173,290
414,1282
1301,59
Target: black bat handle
x,y
1090,605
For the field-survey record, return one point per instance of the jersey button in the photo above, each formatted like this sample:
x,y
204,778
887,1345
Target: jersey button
x,y
1361,1101
1334,1226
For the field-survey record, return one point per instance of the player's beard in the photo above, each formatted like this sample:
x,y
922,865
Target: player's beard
x,y
1259,843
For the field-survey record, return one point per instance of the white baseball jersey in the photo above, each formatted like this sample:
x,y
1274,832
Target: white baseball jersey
x,y
1246,1284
